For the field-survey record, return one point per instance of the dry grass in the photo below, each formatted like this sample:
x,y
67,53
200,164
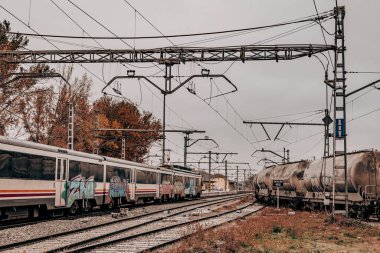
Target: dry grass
x,y
235,204
276,231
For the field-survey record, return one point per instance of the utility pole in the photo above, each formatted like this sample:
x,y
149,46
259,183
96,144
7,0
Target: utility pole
x,y
125,130
287,156
167,89
225,175
338,84
188,144
209,154
96,140
123,147
340,97
237,177
244,181
70,128
209,170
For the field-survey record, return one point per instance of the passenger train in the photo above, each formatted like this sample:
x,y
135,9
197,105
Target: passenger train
x,y
38,179
309,184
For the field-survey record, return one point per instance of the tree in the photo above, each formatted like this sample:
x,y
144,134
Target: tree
x,y
11,94
39,111
45,113
116,113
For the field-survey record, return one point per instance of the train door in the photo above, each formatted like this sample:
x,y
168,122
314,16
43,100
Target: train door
x,y
60,181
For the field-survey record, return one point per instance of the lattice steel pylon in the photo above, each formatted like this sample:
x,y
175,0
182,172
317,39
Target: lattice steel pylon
x,y
339,93
123,147
70,129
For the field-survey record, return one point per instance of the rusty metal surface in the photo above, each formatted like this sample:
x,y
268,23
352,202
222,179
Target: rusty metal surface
x,y
361,169
291,174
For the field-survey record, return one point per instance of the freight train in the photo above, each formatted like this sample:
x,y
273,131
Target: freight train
x,y
37,179
309,184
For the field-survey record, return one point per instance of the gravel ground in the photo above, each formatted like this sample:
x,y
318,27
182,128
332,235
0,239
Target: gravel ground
x,y
17,234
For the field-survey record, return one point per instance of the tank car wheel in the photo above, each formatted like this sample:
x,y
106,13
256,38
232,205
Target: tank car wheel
x,y
74,208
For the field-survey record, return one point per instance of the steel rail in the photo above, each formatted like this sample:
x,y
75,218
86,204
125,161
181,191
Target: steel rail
x,y
205,229
93,239
42,238
129,237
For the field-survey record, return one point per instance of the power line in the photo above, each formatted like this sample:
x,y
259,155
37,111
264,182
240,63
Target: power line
x,y
291,114
363,72
48,41
168,36
322,30
116,37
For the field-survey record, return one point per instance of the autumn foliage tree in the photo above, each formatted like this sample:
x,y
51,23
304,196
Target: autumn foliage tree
x,y
12,93
121,114
39,111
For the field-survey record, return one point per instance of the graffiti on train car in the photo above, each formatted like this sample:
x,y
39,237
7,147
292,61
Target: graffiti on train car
x,y
179,188
166,188
79,188
191,187
118,187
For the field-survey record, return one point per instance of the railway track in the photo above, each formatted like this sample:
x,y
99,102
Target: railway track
x,y
30,221
74,238
158,235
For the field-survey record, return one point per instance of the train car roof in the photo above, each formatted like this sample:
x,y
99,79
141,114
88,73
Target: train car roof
x,y
53,149
48,148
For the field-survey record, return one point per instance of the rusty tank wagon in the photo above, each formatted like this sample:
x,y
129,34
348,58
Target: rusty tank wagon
x,y
310,183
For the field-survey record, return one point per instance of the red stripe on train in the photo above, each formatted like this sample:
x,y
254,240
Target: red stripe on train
x,y
26,195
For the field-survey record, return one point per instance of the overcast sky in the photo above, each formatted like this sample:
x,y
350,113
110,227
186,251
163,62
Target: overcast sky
x,y
265,89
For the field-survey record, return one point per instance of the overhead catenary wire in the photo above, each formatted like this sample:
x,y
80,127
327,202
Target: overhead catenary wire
x,y
362,72
320,17
322,30
48,41
98,22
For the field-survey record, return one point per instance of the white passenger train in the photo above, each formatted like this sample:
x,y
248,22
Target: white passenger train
x,y
37,178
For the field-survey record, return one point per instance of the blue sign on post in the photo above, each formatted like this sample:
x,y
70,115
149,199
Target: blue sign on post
x,y
340,128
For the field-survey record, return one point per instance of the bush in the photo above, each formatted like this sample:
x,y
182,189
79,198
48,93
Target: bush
x,y
277,229
291,233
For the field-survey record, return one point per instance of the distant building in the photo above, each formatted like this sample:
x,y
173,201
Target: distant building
x,y
218,183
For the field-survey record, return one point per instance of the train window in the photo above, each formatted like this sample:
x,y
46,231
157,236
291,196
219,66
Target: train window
x,y
85,170
166,177
64,169
59,168
178,179
152,177
48,168
35,167
127,174
123,173
74,169
97,172
187,182
26,166
141,177
20,166
146,177
5,165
